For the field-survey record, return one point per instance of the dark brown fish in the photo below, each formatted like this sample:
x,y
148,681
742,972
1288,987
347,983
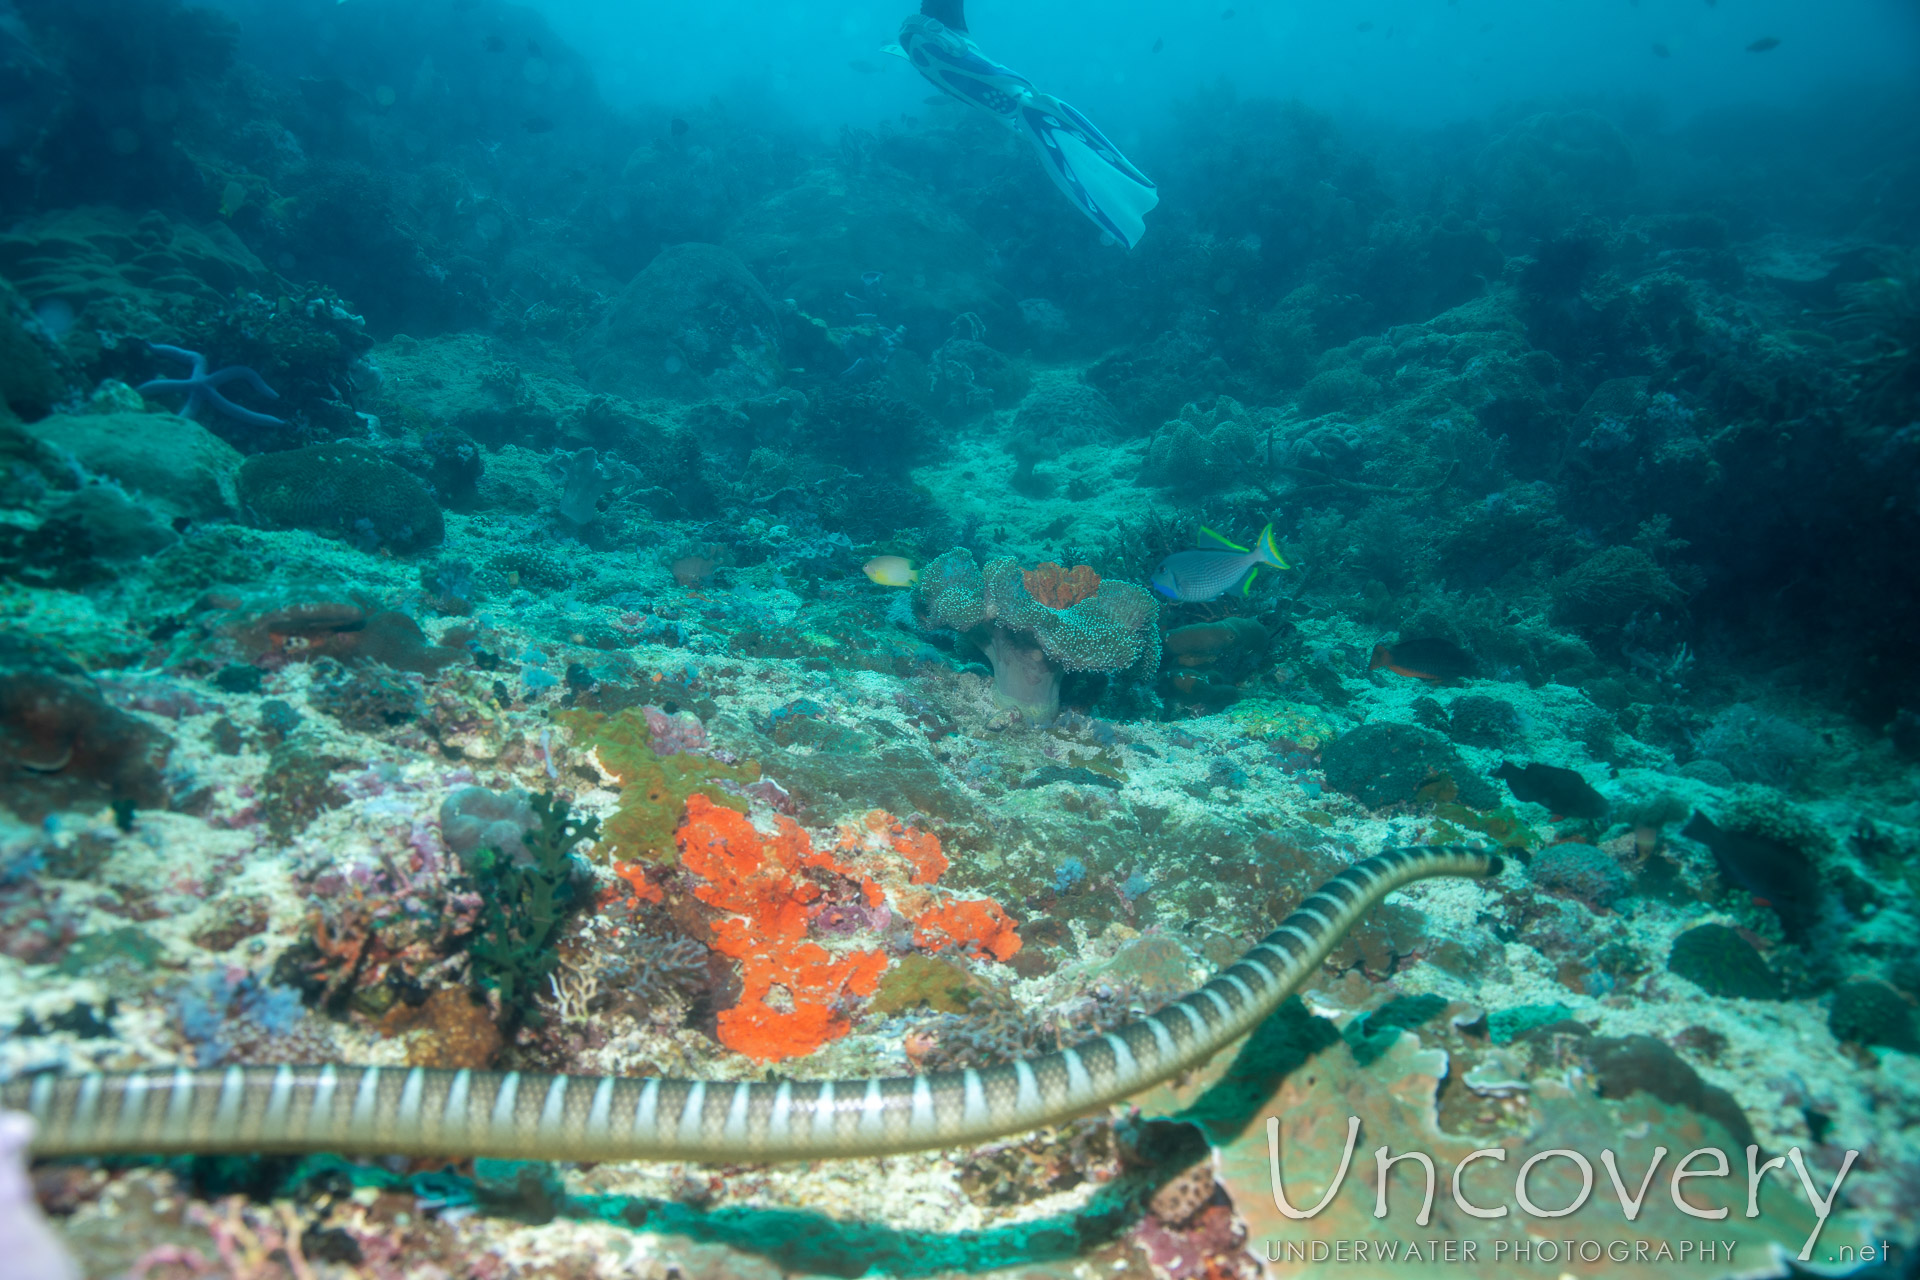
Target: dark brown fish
x,y
1440,661
679,127
495,44
1777,874
1563,791
1764,44
1661,51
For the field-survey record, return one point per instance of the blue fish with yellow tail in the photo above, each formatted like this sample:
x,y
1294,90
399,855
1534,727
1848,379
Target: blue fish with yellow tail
x,y
1219,566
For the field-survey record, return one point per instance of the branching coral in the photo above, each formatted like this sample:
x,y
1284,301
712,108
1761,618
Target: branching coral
x,y
1886,310
513,947
1030,644
1610,586
379,929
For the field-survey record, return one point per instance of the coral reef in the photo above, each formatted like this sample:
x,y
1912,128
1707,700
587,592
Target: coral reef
x,y
1722,963
654,786
1388,764
345,491
474,818
1583,872
694,321
177,467
506,692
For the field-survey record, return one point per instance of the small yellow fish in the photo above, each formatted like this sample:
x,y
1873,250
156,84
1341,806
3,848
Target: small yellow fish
x,y
231,199
892,571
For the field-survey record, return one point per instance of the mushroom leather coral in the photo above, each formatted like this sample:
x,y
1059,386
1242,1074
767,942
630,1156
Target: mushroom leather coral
x,y
765,883
1059,587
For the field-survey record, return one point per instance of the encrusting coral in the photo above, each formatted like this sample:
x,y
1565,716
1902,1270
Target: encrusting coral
x,y
769,885
654,783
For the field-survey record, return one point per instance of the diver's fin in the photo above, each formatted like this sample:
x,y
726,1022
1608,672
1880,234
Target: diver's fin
x,y
951,14
1211,541
893,49
1270,550
1100,181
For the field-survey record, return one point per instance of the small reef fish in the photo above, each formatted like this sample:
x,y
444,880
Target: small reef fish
x,y
892,571
1764,44
1776,873
1440,661
1661,51
1563,791
1220,565
679,127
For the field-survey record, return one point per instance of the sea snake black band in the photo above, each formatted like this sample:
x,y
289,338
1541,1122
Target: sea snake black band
x,y
419,1111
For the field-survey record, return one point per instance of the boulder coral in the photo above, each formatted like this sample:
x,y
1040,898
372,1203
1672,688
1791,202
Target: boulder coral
x,y
694,322
1030,644
1206,448
178,467
345,491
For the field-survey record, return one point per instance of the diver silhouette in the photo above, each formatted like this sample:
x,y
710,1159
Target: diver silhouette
x,y
1102,183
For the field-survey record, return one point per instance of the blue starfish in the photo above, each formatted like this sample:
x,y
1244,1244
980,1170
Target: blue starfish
x,y
201,387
